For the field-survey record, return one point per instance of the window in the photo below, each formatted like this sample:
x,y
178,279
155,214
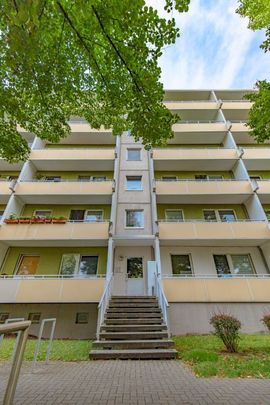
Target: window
x,y
242,264
84,178
76,215
226,215
134,154
267,213
134,182
43,213
200,177
169,178
82,317
34,317
134,219
255,177
27,265
1,213
181,265
135,267
174,215
222,265
93,216
233,265
219,215
98,178
208,177
76,264
53,178
3,317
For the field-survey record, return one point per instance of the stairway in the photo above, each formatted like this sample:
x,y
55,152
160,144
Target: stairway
x,y
133,329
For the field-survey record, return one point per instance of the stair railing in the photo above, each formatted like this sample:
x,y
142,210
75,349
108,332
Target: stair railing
x,y
162,300
103,303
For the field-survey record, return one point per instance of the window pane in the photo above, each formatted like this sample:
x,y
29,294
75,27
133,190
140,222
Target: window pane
x,y
69,264
181,264
3,317
255,177
34,317
200,177
43,213
242,264
267,213
53,178
226,215
1,213
88,265
222,265
134,219
134,154
93,216
169,178
82,317
209,215
84,178
76,215
215,177
135,267
134,182
28,265
174,216
98,178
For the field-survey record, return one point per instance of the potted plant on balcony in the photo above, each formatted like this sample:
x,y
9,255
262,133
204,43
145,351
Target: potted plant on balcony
x,y
37,220
12,219
59,220
24,220
48,220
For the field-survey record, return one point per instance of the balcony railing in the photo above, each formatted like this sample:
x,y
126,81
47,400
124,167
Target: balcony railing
x,y
51,276
213,276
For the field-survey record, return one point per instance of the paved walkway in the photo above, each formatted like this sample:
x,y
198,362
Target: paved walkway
x,y
129,383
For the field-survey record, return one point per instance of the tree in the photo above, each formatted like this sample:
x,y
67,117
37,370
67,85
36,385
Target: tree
x,y
258,12
90,58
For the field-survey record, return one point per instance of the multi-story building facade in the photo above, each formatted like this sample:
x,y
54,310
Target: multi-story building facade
x,y
96,210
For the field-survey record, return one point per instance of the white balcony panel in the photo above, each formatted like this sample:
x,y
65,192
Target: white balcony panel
x,y
257,158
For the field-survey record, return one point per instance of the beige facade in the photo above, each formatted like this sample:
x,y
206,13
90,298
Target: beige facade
x,y
195,212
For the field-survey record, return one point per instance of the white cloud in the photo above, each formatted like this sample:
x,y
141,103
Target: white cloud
x,y
215,50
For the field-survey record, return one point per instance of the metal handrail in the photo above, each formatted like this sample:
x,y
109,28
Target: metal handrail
x,y
190,101
209,221
212,276
23,329
162,300
103,303
198,180
200,122
64,180
170,147
50,276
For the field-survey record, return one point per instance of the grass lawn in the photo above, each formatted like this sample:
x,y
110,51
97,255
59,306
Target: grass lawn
x,y
65,350
207,356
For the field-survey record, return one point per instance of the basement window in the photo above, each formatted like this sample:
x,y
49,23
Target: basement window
x,y
34,317
3,317
82,317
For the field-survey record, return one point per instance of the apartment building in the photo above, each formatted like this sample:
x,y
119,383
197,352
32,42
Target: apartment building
x,y
98,215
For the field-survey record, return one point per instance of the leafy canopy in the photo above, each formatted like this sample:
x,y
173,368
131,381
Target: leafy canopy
x,y
258,12
90,58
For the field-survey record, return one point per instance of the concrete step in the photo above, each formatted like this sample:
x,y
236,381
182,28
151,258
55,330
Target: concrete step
x,y
133,328
133,321
140,304
133,297
146,300
133,344
133,309
132,335
125,314
133,354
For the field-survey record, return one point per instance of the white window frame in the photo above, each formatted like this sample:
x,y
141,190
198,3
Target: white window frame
x,y
179,210
135,189
78,257
104,178
208,177
230,263
190,261
50,215
217,214
172,176
102,215
134,227
132,149
19,261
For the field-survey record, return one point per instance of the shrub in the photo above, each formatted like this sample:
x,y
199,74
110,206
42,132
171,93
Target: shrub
x,y
227,329
266,321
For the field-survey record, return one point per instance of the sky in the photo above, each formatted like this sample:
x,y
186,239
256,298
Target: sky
x,y
215,49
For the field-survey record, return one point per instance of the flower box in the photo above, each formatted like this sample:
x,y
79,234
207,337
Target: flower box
x,y
59,221
11,221
24,220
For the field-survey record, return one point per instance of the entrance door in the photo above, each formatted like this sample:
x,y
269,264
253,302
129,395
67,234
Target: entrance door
x,y
135,276
28,265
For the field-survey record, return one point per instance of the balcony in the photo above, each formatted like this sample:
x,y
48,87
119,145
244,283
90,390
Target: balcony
x,y
178,106
257,158
202,127
203,191
192,159
49,289
236,105
239,126
202,233
78,192
67,234
5,191
213,289
263,191
73,159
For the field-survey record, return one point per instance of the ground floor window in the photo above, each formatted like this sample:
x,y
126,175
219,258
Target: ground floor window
x,y
181,265
75,264
235,264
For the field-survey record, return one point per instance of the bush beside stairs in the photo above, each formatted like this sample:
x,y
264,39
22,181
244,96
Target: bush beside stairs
x,y
133,328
